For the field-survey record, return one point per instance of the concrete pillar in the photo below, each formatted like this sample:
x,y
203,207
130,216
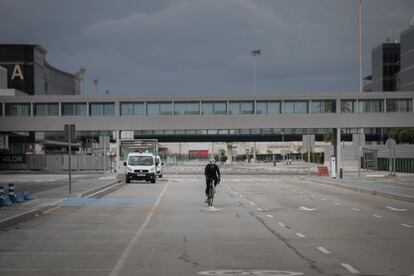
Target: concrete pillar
x,y
338,151
118,151
229,153
254,152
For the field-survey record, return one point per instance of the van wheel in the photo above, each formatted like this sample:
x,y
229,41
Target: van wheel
x,y
160,176
152,180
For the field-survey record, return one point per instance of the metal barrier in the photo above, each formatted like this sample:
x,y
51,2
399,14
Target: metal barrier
x,y
404,165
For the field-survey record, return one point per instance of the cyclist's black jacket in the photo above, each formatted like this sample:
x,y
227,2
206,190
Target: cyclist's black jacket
x,y
212,171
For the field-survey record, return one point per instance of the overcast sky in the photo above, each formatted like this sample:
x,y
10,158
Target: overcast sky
x,y
199,47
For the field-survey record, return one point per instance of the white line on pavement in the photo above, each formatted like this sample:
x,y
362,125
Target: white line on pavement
x,y
355,209
270,216
407,225
259,209
241,196
300,235
337,203
324,199
377,216
282,224
395,209
252,203
323,250
350,268
122,260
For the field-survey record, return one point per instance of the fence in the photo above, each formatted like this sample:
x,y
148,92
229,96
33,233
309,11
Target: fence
x,y
59,162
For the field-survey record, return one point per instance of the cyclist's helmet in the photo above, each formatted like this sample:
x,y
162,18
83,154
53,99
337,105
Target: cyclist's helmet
x,y
212,161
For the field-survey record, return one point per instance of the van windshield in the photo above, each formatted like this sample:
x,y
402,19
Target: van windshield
x,y
140,160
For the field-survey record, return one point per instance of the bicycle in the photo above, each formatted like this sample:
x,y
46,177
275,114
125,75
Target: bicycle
x,y
211,191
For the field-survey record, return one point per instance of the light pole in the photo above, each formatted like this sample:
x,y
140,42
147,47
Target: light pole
x,y
255,53
80,75
95,82
360,46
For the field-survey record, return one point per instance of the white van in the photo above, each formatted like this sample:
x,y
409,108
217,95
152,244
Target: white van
x,y
160,166
141,166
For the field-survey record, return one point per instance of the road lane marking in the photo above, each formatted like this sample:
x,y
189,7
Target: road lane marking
x,y
304,208
252,203
324,199
259,209
350,268
51,210
241,196
282,224
395,209
323,250
377,216
337,203
407,225
301,192
300,235
270,216
355,209
123,258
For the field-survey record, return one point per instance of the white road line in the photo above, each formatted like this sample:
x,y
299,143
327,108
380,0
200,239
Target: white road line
x,y
355,209
122,260
407,225
259,209
323,250
282,224
337,203
350,268
377,216
301,192
270,216
252,203
241,196
300,235
395,209
324,199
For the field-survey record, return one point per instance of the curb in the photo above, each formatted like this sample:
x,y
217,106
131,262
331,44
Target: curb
x,y
366,191
37,211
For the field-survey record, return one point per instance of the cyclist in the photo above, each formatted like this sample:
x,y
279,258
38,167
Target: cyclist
x,y
211,172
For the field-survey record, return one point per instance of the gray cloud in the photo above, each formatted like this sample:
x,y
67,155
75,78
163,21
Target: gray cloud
x,y
198,46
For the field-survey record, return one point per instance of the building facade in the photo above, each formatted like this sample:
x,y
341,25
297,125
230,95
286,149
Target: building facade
x,y
29,72
385,67
406,76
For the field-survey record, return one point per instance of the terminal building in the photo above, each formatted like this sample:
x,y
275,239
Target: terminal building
x,y
406,75
30,73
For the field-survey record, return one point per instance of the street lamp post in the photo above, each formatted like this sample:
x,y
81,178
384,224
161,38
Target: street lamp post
x,y
360,46
255,53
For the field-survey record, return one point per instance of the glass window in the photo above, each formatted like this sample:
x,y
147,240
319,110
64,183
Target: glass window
x,y
46,109
73,109
273,107
165,109
213,108
190,108
207,108
247,108
371,106
348,106
153,109
323,106
102,109
17,109
399,105
261,107
234,108
132,109
296,107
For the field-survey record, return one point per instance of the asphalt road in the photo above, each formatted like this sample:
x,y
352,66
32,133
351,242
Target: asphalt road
x,y
268,225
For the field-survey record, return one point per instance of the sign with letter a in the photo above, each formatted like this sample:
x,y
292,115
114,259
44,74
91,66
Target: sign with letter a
x,y
17,72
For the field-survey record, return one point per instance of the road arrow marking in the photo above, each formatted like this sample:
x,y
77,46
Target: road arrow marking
x,y
323,250
350,268
396,209
303,208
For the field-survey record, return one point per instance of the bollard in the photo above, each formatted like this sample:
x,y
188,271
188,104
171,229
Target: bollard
x,y
341,171
3,200
27,196
12,195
